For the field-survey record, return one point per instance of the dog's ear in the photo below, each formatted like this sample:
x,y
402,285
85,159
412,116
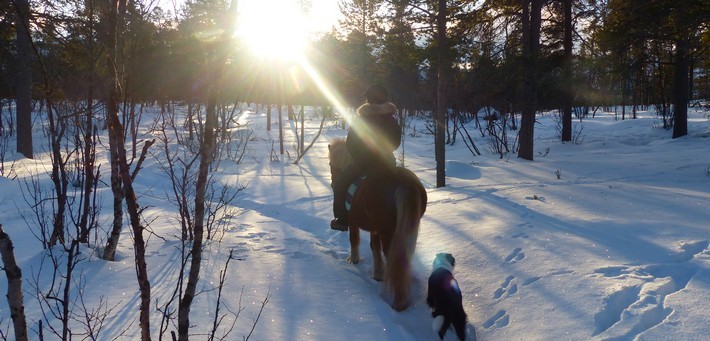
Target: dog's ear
x,y
451,259
330,147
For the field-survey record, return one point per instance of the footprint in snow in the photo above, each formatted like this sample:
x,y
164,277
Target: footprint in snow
x,y
515,256
499,320
632,310
508,288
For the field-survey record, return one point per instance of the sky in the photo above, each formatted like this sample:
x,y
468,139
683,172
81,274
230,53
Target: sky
x,y
321,16
270,27
604,238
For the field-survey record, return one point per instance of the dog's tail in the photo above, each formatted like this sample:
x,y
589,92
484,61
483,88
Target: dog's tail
x,y
410,201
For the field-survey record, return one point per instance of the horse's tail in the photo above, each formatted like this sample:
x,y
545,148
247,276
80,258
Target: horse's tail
x,y
410,200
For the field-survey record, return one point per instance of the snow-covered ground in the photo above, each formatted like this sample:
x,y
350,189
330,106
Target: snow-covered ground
x,y
603,239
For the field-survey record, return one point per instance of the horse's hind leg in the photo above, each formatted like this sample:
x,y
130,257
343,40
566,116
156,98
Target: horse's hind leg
x,y
354,245
378,270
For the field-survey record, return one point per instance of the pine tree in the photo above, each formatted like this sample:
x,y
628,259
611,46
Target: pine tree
x,y
24,79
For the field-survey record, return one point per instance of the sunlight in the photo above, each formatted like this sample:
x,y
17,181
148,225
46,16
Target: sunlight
x,y
279,31
275,29
325,88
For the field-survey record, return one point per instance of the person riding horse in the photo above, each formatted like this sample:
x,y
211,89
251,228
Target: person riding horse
x,y
373,135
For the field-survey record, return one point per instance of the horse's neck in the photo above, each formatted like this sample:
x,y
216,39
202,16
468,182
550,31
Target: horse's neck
x,y
343,157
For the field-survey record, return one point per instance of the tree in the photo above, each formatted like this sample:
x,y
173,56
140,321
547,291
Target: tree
x,y
659,29
24,79
360,26
215,66
531,23
400,58
119,162
441,112
567,73
14,286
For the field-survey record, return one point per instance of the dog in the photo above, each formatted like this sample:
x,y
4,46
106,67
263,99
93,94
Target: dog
x,y
444,298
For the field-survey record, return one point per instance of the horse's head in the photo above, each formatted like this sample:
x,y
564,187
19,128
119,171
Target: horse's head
x,y
339,157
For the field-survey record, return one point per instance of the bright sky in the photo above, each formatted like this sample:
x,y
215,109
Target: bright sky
x,y
280,30
320,17
323,14
282,27
268,25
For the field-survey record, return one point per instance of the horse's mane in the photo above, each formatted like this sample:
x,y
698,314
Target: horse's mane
x,y
337,142
339,155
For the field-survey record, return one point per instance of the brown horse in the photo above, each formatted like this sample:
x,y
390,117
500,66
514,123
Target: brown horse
x,y
389,204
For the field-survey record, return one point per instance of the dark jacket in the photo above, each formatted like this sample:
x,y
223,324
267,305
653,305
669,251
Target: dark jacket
x,y
375,133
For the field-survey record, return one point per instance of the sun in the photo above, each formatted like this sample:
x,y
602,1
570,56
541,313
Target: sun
x,y
273,29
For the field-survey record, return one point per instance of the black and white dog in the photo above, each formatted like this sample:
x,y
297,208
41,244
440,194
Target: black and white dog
x,y
444,298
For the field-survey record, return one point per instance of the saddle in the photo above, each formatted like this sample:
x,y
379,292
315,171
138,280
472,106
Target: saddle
x,y
375,171
352,189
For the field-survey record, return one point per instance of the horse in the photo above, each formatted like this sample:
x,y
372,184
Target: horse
x,y
389,204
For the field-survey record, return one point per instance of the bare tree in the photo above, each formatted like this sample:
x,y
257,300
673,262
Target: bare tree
x,y
54,299
300,150
218,319
207,147
115,234
439,140
118,150
206,153
14,287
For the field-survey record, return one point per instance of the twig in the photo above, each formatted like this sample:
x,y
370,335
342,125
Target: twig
x,y
256,321
141,158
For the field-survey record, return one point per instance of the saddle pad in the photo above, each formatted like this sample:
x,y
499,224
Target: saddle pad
x,y
352,189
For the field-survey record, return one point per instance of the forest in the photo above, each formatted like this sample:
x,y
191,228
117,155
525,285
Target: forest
x,y
73,72
514,57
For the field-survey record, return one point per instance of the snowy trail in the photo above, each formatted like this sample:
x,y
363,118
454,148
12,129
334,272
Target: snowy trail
x,y
617,248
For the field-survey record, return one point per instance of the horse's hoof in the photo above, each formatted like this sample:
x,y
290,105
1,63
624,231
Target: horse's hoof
x,y
353,260
377,277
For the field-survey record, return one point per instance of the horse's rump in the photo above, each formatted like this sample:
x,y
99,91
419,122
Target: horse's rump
x,y
374,202
389,204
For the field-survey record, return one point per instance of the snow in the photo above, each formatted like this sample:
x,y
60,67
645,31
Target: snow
x,y
615,248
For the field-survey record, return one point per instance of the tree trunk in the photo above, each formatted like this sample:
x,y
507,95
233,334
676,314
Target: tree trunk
x,y
207,147
531,47
680,88
206,153
440,138
268,117
118,194
89,157
303,132
89,141
59,175
116,185
281,124
24,80
116,188
14,287
567,72
115,131
691,78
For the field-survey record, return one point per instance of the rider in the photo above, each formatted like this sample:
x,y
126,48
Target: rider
x,y
374,134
